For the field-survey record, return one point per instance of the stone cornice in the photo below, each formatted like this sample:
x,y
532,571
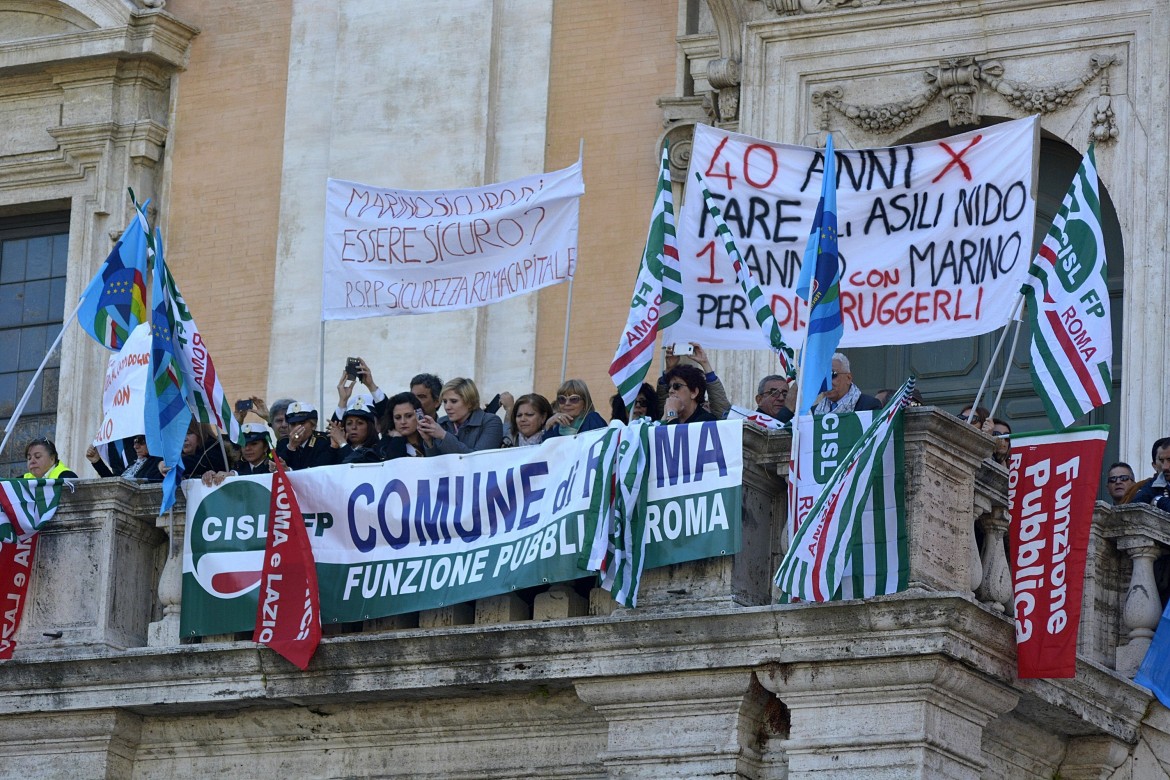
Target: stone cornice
x,y
472,660
154,35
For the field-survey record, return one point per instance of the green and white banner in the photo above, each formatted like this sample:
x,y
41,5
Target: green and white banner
x,y
414,533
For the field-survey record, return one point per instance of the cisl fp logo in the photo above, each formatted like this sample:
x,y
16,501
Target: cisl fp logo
x,y
227,537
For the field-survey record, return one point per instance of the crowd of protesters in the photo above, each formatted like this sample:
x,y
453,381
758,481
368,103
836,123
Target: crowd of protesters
x,y
436,418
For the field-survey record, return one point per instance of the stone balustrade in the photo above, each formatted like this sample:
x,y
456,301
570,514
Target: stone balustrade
x,y
957,519
708,676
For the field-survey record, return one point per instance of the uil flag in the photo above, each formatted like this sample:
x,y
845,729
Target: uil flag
x,y
1068,306
822,551
114,303
820,286
167,413
760,309
657,300
201,383
288,615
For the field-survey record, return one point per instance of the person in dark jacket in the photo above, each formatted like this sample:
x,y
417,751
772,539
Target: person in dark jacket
x,y
355,438
145,468
406,441
255,458
844,396
304,447
574,411
686,389
467,427
1156,490
202,452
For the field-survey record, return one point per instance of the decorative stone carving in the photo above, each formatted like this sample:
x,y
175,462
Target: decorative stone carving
x,y
793,7
723,75
962,80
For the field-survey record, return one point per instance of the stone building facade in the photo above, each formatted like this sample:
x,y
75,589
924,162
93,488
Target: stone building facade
x,y
230,116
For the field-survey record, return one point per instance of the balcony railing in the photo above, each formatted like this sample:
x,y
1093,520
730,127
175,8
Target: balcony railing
x,y
108,571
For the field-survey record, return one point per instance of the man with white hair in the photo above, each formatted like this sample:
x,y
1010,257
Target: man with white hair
x,y
844,396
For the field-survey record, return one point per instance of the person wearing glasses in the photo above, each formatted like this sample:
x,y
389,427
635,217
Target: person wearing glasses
x,y
145,468
844,396
1118,481
770,398
41,457
574,411
467,427
645,405
686,389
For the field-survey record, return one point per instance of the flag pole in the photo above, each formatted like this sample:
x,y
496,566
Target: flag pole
x,y
1003,380
569,303
991,363
11,424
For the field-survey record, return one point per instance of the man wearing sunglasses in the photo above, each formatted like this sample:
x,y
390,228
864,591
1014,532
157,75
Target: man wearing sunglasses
x,y
1118,481
844,396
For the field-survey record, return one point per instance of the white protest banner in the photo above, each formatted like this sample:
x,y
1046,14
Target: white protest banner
x,y
935,238
390,251
124,396
412,534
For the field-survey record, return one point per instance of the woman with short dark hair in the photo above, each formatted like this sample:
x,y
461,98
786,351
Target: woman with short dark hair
x,y
686,389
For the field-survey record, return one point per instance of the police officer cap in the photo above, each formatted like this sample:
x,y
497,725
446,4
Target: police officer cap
x,y
359,407
299,412
257,432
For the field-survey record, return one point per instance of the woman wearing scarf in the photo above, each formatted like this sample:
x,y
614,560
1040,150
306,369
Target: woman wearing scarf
x,y
575,413
144,468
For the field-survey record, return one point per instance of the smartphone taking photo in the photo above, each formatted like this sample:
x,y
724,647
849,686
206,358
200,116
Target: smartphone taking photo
x,y
353,367
244,405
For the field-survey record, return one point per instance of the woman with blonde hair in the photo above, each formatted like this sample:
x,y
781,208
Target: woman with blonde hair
x,y
467,427
575,413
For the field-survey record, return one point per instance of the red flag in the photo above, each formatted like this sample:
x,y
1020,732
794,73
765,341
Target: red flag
x,y
288,616
1051,491
16,559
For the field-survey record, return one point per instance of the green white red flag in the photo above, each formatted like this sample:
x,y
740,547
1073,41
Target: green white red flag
x,y
288,615
843,537
1068,306
760,308
615,538
25,506
657,299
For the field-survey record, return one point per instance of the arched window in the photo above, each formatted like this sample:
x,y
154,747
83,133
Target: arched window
x,y
949,372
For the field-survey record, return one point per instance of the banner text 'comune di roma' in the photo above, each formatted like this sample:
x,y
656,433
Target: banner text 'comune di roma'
x,y
415,533
391,251
935,238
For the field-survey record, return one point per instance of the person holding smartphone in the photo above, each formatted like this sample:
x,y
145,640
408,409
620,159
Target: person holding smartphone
x,y
467,427
357,370
408,441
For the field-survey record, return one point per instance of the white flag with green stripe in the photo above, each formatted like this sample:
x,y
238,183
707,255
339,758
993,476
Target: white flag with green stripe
x,y
853,541
760,309
26,505
657,300
1068,306
615,527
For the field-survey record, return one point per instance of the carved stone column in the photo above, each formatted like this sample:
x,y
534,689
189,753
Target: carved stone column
x,y
703,724
886,718
1143,608
996,588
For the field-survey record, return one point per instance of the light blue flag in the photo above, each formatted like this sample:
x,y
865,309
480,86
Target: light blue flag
x,y
1154,672
167,413
820,286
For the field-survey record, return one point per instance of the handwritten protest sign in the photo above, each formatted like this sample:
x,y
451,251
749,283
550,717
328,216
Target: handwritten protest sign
x,y
415,533
124,397
935,238
390,251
